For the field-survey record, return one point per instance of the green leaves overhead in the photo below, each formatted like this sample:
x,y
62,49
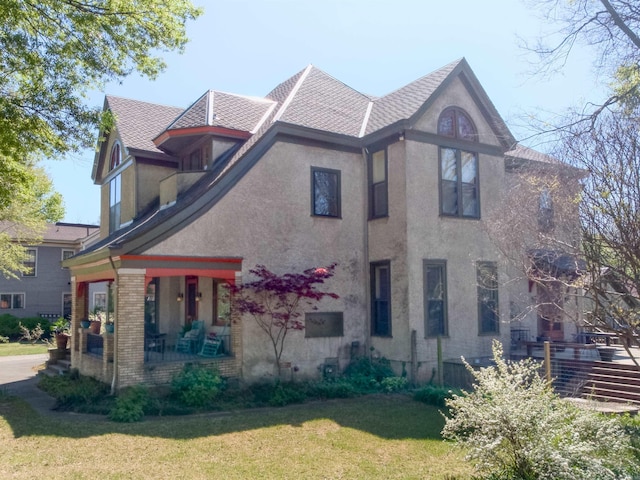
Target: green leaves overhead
x,y
55,51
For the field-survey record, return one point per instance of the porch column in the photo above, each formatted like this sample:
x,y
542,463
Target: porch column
x,y
129,327
79,292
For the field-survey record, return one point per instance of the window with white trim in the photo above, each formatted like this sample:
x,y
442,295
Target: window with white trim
x,y
30,262
10,301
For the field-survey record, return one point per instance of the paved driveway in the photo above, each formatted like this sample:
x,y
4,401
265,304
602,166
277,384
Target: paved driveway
x,y
19,367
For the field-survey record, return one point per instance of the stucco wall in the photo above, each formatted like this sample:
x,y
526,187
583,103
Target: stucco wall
x,y
266,219
460,241
148,183
414,231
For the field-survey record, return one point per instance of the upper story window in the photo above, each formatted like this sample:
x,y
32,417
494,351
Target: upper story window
x,y
30,262
455,123
67,253
325,192
115,193
193,161
116,156
545,211
378,184
459,187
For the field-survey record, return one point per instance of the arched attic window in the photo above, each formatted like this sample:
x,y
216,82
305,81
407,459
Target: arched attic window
x,y
459,188
454,122
116,156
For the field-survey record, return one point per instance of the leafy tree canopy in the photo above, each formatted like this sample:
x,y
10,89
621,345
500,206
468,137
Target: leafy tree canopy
x,y
53,53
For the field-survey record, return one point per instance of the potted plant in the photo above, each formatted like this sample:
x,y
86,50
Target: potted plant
x,y
108,327
60,330
95,319
85,323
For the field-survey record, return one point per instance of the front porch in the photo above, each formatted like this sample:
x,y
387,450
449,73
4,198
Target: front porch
x,y
161,319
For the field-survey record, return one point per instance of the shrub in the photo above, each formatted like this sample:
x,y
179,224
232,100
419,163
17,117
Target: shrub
x,y
393,384
10,326
367,373
435,395
196,386
131,405
340,388
514,427
74,392
31,336
287,393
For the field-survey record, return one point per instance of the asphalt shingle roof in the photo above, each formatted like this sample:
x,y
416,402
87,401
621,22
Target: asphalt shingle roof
x,y
310,98
404,102
220,109
324,103
526,153
139,122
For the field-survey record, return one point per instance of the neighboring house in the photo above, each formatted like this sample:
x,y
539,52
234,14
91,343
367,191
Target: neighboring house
x,y
393,189
45,288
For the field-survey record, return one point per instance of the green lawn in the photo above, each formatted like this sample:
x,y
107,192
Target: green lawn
x,y
373,437
15,348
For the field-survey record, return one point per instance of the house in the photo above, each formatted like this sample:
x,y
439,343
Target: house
x,y
393,189
45,288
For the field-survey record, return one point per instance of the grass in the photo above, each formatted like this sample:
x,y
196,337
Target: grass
x,y
16,348
371,437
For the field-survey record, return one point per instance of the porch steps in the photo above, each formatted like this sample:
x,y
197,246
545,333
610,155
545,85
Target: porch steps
x,y
612,382
56,365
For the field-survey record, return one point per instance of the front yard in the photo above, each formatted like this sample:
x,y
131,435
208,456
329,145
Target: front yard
x,y
379,436
17,348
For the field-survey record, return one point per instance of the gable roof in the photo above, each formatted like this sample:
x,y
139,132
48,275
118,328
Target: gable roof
x,y
310,104
140,122
403,103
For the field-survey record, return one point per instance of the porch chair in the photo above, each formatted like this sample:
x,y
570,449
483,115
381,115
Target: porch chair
x,y
190,341
211,346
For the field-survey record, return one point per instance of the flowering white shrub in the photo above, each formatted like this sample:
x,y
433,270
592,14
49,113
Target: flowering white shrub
x,y
513,426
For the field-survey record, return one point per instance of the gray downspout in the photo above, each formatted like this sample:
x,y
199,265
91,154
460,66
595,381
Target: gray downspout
x,y
365,266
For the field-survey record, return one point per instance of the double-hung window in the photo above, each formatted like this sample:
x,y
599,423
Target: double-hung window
x,y
325,192
435,298
30,262
459,187
378,185
381,299
115,194
488,314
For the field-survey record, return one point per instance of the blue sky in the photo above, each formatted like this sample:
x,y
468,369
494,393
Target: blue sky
x,y
249,46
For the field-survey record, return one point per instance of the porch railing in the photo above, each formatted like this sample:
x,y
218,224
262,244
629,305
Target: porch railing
x,y
95,344
159,349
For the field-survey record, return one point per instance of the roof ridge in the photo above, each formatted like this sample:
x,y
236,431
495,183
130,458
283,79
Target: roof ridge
x,y
186,110
365,120
450,65
129,99
292,93
248,97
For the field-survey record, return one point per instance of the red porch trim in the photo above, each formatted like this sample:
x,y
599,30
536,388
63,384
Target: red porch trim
x,y
179,272
177,258
180,132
